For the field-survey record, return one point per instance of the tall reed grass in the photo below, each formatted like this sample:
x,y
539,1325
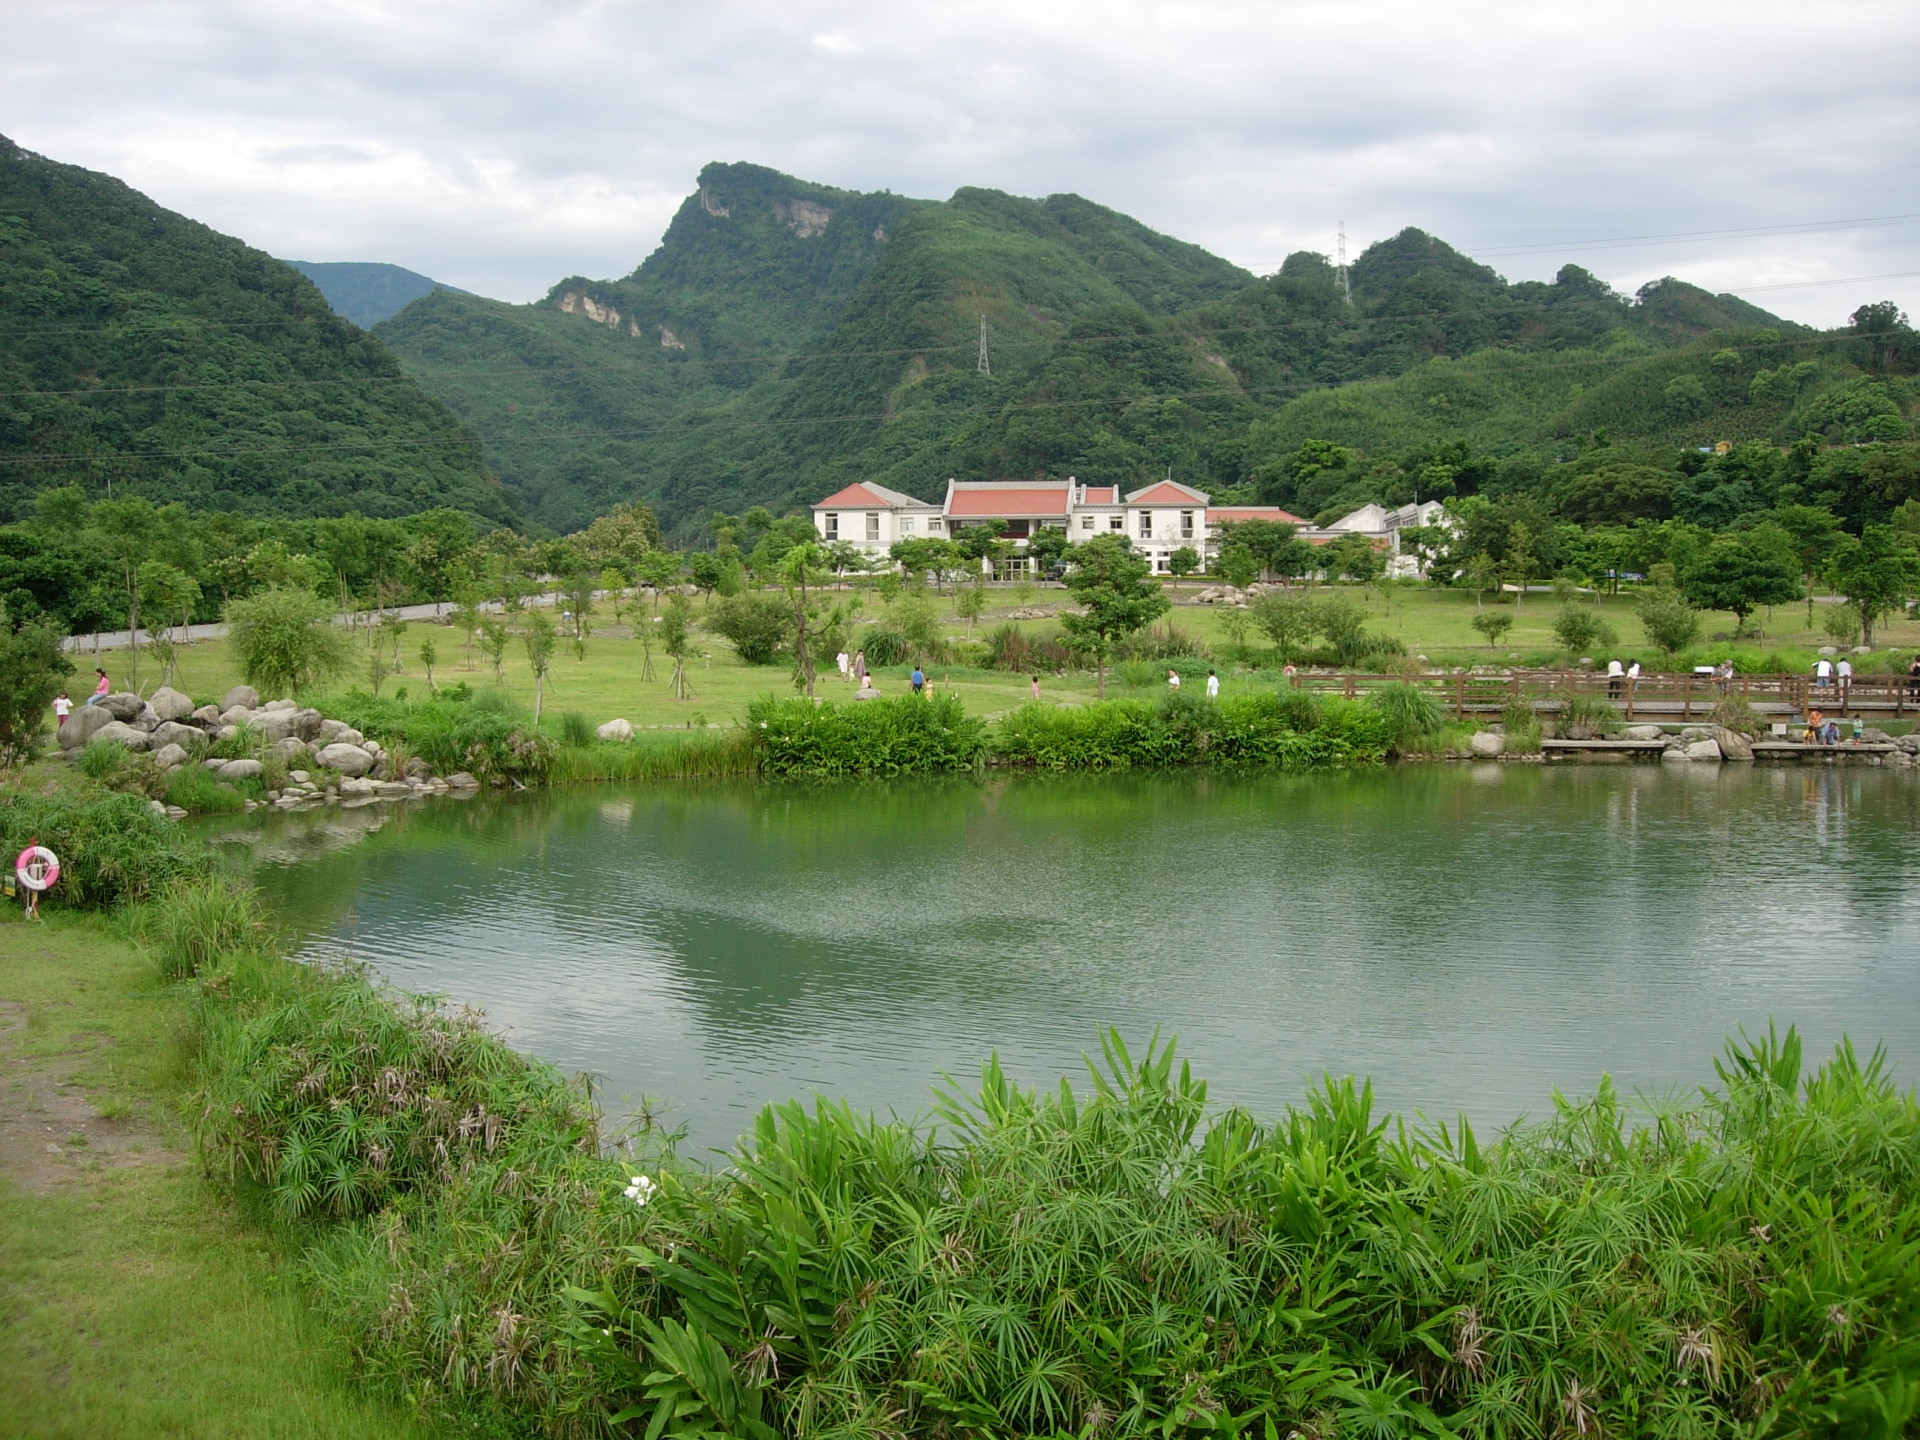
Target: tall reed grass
x,y
113,847
700,755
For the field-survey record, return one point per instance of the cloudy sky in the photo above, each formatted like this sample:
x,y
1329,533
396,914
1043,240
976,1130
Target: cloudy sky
x,y
500,145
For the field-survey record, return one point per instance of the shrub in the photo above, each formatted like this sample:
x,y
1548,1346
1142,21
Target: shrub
x,y
1413,718
1520,723
908,735
576,729
200,921
1579,628
884,647
757,625
1735,713
1241,732
285,640
481,736
1842,624
196,789
113,848
1582,716
31,670
1670,622
1008,647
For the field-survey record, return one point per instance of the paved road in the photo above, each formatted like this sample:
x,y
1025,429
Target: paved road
x,y
120,639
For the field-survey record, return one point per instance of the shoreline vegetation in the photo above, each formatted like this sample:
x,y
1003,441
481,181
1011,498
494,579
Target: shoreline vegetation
x,y
1115,1257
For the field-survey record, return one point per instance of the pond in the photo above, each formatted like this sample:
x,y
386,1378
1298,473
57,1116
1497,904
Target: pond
x,y
1470,937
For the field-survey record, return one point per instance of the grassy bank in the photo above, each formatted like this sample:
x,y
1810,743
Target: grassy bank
x,y
135,1300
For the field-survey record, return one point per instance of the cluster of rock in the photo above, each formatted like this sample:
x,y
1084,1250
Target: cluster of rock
x,y
1233,594
174,732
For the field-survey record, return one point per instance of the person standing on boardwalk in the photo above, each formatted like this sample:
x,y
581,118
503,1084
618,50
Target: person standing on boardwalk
x,y
1822,673
1616,677
1213,685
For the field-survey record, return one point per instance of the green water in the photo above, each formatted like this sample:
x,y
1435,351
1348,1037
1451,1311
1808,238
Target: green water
x,y
1471,937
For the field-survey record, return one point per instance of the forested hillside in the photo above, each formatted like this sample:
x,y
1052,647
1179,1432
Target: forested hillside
x,y
366,292
147,350
787,337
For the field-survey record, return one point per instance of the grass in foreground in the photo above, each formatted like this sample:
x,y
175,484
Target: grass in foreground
x,y
133,1301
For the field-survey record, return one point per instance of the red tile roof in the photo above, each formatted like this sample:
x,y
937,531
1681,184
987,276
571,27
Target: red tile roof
x,y
863,493
1230,513
1008,501
1165,493
1101,494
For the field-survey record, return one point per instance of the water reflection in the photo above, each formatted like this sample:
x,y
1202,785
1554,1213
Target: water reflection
x,y
1470,936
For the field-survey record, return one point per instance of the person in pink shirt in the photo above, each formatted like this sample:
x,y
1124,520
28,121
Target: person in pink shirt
x,y
101,690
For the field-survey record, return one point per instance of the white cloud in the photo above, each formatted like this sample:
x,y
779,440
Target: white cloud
x,y
500,145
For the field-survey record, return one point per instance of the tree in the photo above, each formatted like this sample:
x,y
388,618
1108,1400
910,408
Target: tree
x,y
1482,575
538,637
286,640
1494,624
1670,622
1237,566
1518,564
676,634
167,593
1183,562
658,569
31,669
1274,546
1288,620
1875,573
1047,546
756,625
802,568
1117,596
494,639
970,604
1353,557
429,653
1579,628
1739,573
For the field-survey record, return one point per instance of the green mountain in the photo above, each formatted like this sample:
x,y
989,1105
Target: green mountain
x,y
787,337
178,363
367,293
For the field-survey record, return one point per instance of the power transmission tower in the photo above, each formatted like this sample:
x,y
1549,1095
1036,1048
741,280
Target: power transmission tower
x,y
985,366
1340,265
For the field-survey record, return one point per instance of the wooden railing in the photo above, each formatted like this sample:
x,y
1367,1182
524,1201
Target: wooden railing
x,y
1663,696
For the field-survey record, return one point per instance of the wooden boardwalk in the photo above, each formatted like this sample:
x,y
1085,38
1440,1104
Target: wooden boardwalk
x,y
1657,698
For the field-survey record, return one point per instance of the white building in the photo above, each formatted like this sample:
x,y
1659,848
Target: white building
x,y
1159,519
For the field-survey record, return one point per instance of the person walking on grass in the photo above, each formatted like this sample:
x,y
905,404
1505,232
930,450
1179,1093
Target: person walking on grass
x,y
845,662
1033,690
918,680
1213,686
62,707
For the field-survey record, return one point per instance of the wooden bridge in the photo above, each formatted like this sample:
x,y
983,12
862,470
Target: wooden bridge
x,y
1653,698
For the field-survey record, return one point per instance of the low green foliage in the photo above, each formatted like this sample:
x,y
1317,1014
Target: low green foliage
x,y
1520,723
1587,714
576,729
1414,719
113,848
453,731
903,736
1240,732
200,792
700,754
201,921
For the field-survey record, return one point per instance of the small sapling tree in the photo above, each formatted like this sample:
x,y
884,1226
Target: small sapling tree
x,y
1117,596
1493,624
538,637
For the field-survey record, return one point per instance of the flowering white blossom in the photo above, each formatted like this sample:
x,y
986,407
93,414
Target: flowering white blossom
x,y
641,1190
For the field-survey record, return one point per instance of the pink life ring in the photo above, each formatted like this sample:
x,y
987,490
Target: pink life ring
x,y
37,868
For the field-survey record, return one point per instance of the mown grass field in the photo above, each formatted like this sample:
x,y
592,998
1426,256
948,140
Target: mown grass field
x,y
133,1300
610,682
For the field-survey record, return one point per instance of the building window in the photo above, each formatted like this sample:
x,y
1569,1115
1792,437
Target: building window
x,y
1146,524
906,524
934,523
1186,524
833,526
1115,522
1086,522
873,529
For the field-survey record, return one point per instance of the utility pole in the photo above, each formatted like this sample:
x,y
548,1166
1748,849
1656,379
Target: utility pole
x,y
985,367
1340,265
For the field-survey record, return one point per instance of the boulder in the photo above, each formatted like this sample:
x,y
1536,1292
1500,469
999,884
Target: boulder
x,y
1863,649
289,749
1908,743
226,732
212,764
236,715
1733,745
461,780
170,704
243,696
395,789
1876,736
306,724
1674,753
169,757
418,769
146,720
331,730
118,732
81,725
349,760
1486,745
172,732
299,777
1705,752
1643,732
356,785
619,730
120,705
207,717
276,724
275,706
1828,650
241,770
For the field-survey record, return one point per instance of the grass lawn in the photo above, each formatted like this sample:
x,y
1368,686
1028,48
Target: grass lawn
x,y
608,682
133,1300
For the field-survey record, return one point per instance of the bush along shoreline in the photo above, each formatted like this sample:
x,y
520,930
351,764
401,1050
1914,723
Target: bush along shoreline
x,y
1117,1258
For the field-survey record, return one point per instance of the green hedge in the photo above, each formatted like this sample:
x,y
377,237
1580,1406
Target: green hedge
x,y
902,736
1242,732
